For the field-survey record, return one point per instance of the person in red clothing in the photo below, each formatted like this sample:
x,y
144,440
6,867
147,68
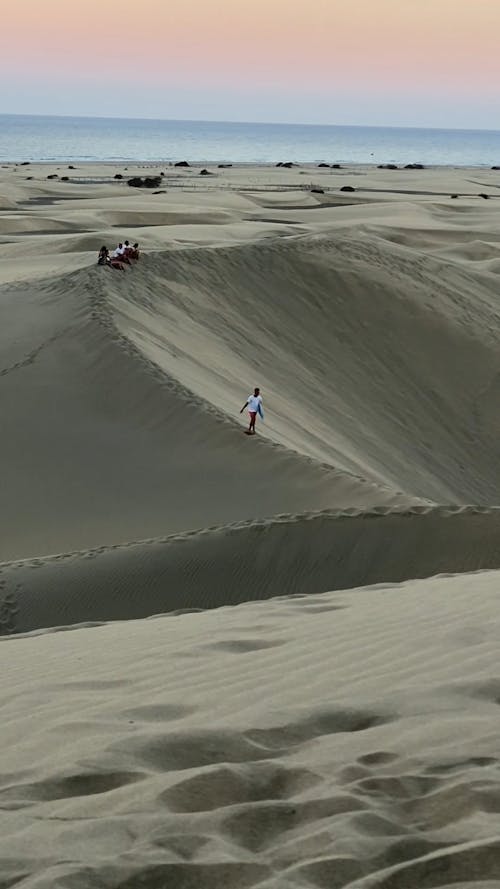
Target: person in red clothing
x,y
105,259
254,405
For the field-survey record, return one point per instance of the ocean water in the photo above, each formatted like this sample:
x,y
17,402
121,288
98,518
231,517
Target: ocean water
x,y
32,138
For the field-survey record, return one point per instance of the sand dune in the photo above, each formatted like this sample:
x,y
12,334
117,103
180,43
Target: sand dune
x,y
124,391
102,450
358,312
341,733
213,567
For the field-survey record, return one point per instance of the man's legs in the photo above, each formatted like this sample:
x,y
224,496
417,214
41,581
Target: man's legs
x,y
251,428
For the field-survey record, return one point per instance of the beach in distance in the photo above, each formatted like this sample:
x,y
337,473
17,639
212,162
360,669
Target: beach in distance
x,y
250,661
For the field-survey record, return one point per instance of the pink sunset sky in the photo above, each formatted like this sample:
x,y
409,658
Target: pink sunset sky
x,y
387,62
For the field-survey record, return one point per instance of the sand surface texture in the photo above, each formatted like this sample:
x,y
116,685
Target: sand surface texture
x,y
343,733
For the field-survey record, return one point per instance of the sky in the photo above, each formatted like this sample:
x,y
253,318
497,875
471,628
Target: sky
x,y
379,62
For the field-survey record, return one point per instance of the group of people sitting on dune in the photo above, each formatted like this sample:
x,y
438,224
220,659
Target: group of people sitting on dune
x,y
119,258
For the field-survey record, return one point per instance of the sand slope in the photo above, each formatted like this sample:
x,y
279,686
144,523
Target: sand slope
x,y
302,554
101,451
357,341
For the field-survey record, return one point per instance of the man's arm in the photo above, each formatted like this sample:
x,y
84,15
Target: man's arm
x,y
244,406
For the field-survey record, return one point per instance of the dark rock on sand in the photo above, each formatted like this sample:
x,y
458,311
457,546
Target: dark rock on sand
x,y
414,167
25,164
162,191
29,177
317,191
181,164
118,176
453,196
387,167
53,176
483,195
288,165
347,188
495,168
64,178
324,165
148,182
224,166
337,167
71,167
206,173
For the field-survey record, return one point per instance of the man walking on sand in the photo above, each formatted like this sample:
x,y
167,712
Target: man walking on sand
x,y
254,405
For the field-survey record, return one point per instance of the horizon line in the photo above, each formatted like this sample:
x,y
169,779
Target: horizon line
x,y
249,122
